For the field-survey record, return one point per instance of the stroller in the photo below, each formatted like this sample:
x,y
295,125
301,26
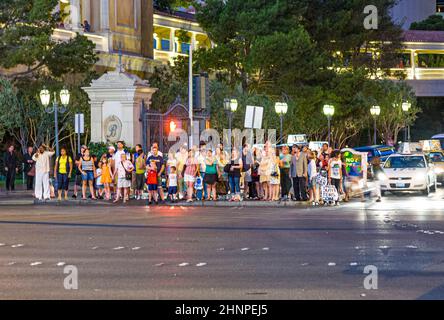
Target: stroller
x,y
329,194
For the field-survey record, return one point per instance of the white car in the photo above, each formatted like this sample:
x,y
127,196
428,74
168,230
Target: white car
x,y
407,172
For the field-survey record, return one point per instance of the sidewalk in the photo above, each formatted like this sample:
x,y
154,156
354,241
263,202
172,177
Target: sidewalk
x,y
25,198
16,198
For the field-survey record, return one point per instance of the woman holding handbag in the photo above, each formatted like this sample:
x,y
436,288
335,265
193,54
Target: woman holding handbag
x,y
124,177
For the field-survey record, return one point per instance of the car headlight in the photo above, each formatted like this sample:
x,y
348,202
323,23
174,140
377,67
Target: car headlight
x,y
420,176
381,176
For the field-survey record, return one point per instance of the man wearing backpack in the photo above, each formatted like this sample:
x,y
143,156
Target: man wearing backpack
x,y
62,172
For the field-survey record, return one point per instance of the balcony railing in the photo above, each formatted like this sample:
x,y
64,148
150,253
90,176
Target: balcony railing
x,y
101,41
423,73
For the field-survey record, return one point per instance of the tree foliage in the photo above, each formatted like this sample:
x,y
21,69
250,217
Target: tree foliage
x,y
306,53
30,59
434,22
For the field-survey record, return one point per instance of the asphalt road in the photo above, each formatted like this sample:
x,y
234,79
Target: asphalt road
x,y
225,253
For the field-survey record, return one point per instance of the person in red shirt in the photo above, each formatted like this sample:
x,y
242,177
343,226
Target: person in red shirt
x,y
151,181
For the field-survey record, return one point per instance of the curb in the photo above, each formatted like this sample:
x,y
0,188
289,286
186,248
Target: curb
x,y
142,203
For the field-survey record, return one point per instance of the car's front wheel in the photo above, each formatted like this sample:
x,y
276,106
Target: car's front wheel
x,y
426,192
435,186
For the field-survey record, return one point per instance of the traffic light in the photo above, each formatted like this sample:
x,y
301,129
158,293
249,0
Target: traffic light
x,y
201,91
173,126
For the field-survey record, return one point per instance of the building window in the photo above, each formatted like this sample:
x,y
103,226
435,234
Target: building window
x,y
404,61
185,48
440,6
165,45
429,60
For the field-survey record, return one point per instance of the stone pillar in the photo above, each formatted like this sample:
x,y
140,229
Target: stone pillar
x,y
75,14
86,11
115,100
413,63
193,43
97,124
158,44
172,40
177,44
104,15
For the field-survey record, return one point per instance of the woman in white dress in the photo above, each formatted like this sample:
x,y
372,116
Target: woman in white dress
x,y
123,171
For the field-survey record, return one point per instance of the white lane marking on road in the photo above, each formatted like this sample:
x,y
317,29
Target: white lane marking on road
x,y
135,248
384,247
221,249
61,264
11,263
411,247
184,264
304,264
37,263
245,249
159,264
118,248
353,264
265,249
331,264
94,248
17,245
2,244
358,248
201,264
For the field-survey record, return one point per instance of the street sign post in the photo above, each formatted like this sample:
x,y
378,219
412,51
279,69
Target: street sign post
x,y
79,125
253,117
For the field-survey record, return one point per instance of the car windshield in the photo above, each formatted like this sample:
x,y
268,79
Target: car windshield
x,y
405,162
436,157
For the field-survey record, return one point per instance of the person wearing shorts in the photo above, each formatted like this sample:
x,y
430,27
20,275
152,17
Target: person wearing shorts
x,y
87,169
139,161
172,184
151,182
157,157
191,169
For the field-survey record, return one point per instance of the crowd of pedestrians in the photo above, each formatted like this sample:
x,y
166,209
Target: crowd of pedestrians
x,y
262,173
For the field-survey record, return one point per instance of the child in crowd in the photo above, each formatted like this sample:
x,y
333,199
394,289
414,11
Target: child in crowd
x,y
106,178
99,183
172,184
151,181
198,186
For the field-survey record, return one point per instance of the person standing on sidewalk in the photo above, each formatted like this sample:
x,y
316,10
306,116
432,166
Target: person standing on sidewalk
x,y
234,175
376,171
299,174
78,178
158,159
88,171
284,165
124,174
191,169
29,168
62,172
139,162
42,169
211,174
335,172
10,161
312,174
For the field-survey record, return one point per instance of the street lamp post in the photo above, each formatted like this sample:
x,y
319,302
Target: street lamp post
x,y
375,111
230,106
281,109
405,108
45,98
329,111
